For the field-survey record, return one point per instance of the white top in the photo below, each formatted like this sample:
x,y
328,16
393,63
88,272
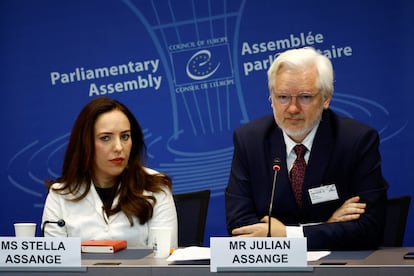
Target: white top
x,y
87,220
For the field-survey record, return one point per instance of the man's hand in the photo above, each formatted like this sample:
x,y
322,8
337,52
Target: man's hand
x,y
260,229
350,210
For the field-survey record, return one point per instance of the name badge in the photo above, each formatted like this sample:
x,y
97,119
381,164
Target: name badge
x,y
40,252
258,254
323,193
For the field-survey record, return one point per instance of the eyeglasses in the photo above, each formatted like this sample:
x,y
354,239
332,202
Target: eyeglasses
x,y
305,98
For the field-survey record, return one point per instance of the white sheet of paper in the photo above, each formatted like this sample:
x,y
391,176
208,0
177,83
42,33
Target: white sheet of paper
x,y
316,255
190,253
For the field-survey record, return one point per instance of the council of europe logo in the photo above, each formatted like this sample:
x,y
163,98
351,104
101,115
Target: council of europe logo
x,y
195,64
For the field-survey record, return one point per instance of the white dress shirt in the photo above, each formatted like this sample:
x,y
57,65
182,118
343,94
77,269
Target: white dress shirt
x,y
297,231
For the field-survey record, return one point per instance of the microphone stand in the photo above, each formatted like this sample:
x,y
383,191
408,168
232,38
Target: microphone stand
x,y
276,168
60,222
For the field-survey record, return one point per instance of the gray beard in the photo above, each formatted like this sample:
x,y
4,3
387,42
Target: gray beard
x,y
301,132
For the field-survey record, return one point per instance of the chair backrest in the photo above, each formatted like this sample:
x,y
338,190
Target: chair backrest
x,y
396,220
192,210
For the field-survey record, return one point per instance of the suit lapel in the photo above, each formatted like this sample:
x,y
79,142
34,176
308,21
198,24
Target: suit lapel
x,y
320,155
276,148
284,198
94,199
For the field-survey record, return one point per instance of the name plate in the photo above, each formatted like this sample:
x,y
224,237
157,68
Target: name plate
x,y
39,252
258,254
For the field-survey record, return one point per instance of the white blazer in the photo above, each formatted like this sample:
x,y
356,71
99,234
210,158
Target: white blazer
x,y
87,220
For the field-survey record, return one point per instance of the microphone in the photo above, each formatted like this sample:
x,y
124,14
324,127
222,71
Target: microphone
x,y
60,223
276,169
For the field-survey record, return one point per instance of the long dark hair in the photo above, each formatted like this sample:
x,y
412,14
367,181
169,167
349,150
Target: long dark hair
x,y
77,170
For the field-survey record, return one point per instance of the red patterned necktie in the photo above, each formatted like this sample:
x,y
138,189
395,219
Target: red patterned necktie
x,y
297,173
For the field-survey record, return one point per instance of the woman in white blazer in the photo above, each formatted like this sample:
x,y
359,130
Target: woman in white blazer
x,y
105,192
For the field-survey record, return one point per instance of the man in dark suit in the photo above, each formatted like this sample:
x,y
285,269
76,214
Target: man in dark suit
x,y
340,204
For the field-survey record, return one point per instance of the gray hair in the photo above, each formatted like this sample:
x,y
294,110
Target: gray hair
x,y
300,58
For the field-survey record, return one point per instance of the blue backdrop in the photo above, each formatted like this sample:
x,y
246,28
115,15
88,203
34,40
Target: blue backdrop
x,y
191,71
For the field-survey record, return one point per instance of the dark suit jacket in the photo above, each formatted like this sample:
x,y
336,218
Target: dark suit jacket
x,y
344,152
